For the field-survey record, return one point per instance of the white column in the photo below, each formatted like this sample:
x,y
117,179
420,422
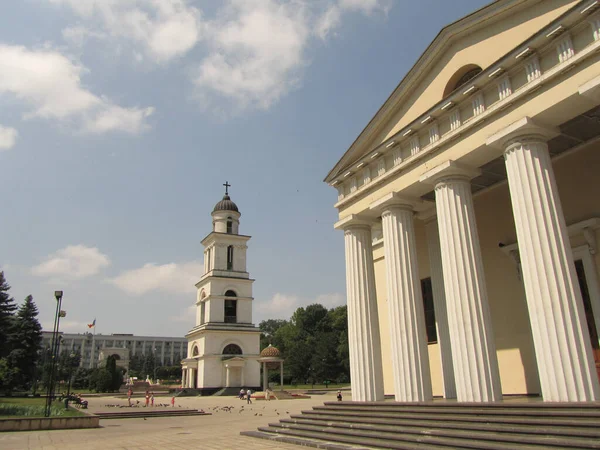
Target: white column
x,y
473,348
560,334
410,357
363,322
439,305
183,377
265,376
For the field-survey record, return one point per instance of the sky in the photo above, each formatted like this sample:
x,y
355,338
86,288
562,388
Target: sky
x,y
120,120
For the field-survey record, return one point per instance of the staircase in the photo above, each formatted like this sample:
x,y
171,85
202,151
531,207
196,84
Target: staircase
x,y
498,426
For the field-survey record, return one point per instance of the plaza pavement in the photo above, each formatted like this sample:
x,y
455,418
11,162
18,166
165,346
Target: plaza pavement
x,y
221,430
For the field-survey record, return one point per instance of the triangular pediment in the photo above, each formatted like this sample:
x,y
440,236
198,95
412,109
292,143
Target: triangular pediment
x,y
477,40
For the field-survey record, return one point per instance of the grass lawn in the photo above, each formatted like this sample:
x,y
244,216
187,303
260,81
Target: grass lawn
x,y
15,407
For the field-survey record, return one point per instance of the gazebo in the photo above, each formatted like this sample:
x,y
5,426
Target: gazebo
x,y
270,358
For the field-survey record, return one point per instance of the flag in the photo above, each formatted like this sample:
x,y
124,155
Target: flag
x,y
93,324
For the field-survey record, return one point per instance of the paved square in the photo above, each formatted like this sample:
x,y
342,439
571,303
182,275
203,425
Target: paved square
x,y
221,430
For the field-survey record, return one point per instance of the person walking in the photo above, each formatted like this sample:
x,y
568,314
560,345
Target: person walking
x,y
152,398
129,394
249,396
147,398
339,396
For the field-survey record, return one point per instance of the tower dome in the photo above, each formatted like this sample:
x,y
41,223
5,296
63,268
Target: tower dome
x,y
226,204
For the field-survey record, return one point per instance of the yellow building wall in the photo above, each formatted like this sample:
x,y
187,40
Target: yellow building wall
x,y
579,190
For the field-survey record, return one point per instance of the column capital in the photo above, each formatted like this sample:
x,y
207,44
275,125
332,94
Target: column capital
x,y
352,221
395,200
522,129
449,170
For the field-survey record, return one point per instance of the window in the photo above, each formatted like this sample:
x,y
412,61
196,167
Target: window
x,y
454,119
565,49
353,185
230,311
380,167
427,291
595,22
504,88
434,134
478,104
461,77
366,175
202,312
397,156
229,225
230,257
532,68
414,145
232,349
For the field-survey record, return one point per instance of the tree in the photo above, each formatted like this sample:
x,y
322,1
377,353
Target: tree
x,y
115,372
25,342
268,329
148,366
7,312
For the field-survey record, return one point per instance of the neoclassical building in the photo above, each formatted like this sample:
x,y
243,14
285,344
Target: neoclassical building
x,y
224,346
470,206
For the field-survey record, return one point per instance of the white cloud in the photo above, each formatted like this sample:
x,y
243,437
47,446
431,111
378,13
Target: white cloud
x,y
188,316
257,50
8,137
171,278
282,306
74,262
332,17
253,51
50,84
164,29
331,300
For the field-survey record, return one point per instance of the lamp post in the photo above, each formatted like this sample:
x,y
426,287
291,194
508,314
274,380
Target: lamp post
x,y
54,348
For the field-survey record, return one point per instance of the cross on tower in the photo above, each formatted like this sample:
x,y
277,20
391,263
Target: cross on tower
x,y
227,186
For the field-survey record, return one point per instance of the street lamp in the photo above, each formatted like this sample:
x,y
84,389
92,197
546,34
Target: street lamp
x,y
54,349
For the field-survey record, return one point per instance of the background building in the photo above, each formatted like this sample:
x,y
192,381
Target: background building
x,y
168,351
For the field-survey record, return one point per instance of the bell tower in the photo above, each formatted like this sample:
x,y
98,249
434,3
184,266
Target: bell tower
x,y
224,345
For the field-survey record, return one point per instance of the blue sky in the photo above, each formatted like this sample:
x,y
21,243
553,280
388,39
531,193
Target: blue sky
x,y
121,119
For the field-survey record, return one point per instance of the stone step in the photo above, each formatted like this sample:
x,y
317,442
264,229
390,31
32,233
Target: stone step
x,y
553,406
592,410
572,430
392,432
306,441
401,441
566,421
